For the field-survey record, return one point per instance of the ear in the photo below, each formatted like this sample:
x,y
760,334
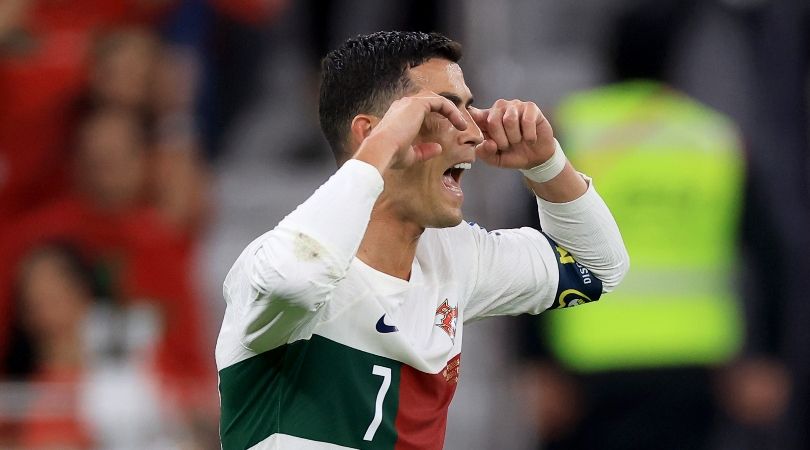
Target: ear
x,y
361,127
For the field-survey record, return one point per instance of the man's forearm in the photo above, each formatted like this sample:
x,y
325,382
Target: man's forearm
x,y
565,187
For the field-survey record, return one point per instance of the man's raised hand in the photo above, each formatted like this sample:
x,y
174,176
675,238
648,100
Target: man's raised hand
x,y
391,143
517,135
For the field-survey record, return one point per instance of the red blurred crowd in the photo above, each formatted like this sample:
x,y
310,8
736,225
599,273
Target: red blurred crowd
x,y
102,199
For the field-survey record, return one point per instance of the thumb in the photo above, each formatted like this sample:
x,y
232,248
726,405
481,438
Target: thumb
x,y
427,150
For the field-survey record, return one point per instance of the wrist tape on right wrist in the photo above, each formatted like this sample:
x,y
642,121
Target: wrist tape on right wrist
x,y
549,169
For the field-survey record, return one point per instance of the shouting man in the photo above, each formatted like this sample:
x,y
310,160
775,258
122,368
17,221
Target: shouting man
x,y
344,323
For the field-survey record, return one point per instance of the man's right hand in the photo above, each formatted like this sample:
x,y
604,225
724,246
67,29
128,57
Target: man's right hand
x,y
390,144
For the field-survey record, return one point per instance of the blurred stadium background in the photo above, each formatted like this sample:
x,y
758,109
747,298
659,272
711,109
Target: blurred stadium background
x,y
144,143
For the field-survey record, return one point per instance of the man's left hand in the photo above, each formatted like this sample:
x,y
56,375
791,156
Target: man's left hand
x,y
517,135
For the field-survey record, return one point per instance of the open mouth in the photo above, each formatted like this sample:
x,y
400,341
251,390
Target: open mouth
x,y
452,177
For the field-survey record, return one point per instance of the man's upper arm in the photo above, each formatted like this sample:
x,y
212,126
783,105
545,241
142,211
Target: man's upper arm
x,y
278,283
282,278
576,283
516,271
524,270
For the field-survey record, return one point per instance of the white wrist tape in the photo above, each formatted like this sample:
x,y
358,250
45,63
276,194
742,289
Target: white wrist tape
x,y
548,169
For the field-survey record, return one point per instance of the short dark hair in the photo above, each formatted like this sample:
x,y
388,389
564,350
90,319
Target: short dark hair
x,y
368,72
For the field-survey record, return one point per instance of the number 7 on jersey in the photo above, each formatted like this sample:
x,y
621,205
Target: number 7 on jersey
x,y
384,372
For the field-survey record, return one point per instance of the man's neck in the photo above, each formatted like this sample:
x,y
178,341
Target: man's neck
x,y
389,245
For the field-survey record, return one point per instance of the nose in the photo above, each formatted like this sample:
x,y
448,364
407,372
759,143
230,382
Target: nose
x,y
472,135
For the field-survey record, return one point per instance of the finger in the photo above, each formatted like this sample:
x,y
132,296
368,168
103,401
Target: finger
x,y
488,152
528,122
495,128
511,124
449,110
490,146
446,108
479,116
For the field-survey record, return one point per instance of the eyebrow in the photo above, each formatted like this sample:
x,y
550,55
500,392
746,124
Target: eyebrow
x,y
456,99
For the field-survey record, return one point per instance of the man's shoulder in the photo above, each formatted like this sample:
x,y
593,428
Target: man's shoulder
x,y
462,231
451,243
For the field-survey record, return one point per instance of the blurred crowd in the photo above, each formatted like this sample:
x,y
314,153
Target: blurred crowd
x,y
143,143
103,197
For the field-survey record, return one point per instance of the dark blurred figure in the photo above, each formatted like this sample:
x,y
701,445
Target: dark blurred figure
x,y
759,399
132,83
54,289
766,393
138,258
49,54
122,69
72,394
635,371
45,47
41,75
55,296
111,162
132,69
215,53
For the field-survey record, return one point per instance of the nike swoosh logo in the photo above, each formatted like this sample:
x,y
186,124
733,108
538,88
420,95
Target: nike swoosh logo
x,y
383,328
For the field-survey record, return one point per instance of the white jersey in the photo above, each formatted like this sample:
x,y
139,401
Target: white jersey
x,y
320,351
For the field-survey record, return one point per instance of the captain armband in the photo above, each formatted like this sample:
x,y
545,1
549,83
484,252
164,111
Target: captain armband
x,y
577,284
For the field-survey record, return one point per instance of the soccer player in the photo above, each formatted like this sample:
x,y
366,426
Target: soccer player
x,y
344,323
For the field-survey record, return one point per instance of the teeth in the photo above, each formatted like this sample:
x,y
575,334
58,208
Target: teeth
x,y
463,166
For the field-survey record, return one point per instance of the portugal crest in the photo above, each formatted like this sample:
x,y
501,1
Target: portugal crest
x,y
446,318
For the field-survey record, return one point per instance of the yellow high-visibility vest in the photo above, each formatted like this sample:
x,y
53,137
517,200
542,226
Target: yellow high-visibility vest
x,y
671,170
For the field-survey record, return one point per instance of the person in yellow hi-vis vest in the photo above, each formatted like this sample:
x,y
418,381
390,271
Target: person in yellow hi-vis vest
x,y
673,170
634,372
